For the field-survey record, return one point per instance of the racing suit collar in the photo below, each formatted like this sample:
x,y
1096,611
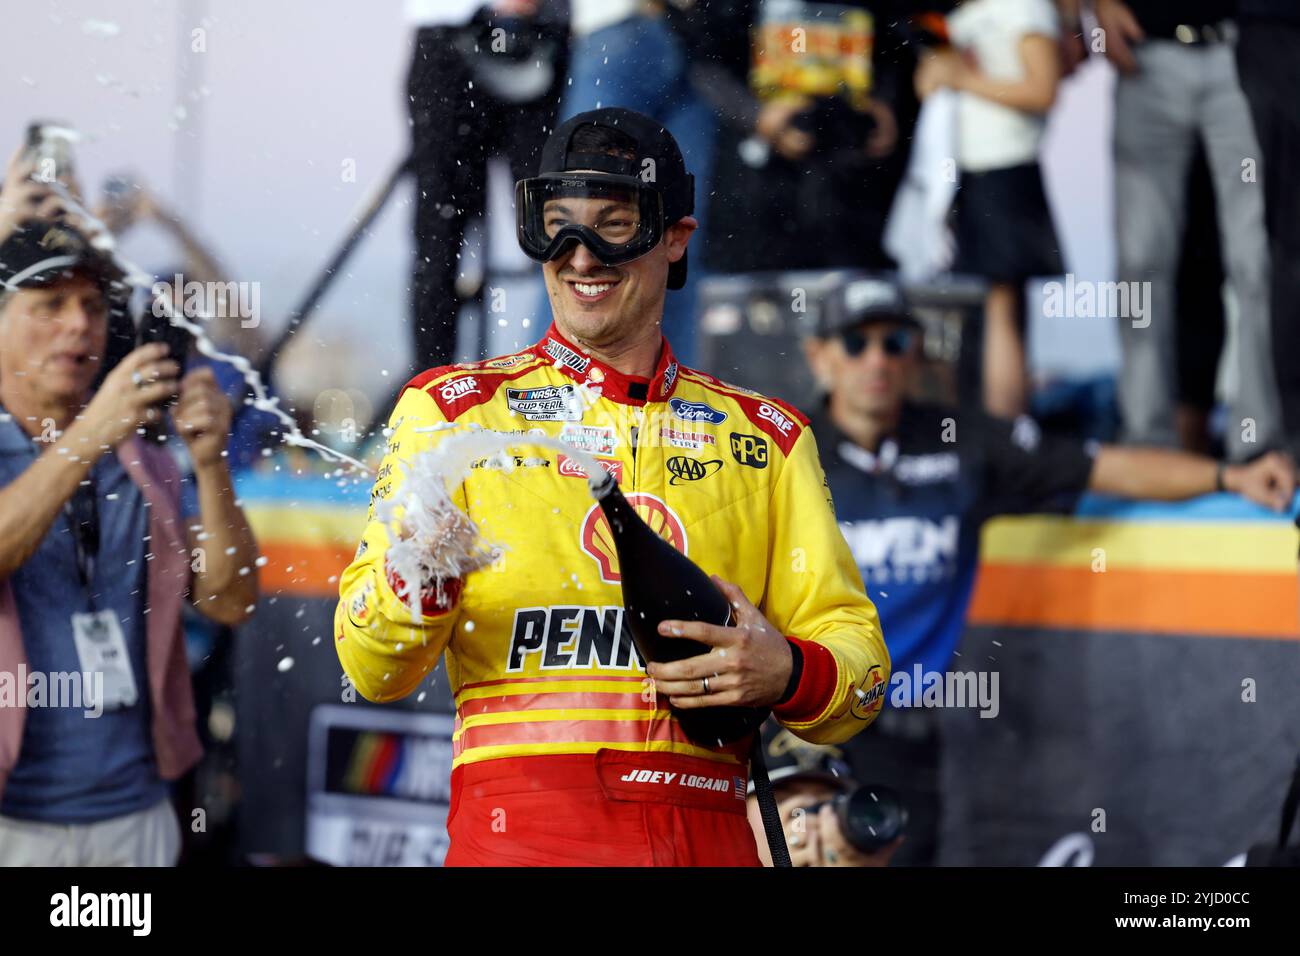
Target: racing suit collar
x,y
573,362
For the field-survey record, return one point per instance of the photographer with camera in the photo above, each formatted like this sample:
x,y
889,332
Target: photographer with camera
x,y
829,820
96,554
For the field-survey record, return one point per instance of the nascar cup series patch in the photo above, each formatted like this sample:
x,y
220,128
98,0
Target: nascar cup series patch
x,y
548,403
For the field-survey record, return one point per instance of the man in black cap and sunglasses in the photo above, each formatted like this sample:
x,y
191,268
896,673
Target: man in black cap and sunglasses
x,y
912,485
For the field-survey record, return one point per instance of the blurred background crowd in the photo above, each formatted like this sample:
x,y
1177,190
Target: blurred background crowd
x,y
1080,211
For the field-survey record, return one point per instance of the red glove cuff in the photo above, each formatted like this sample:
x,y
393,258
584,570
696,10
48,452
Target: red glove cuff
x,y
816,684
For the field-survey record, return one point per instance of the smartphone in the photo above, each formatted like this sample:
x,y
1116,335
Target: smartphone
x,y
49,148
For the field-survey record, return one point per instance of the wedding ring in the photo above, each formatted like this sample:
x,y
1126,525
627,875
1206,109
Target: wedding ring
x,y
137,379
706,684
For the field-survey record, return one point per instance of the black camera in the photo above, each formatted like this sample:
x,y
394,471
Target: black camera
x,y
871,817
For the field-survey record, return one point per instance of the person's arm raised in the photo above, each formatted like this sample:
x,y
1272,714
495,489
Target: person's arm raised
x,y
30,503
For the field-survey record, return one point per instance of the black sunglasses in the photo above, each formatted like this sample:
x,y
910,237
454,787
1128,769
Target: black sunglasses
x,y
895,342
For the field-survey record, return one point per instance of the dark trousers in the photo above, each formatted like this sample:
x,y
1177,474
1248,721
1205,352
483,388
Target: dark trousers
x,y
1268,60
456,128
902,750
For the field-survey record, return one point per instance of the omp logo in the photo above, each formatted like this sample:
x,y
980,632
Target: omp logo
x,y
571,469
598,541
696,412
564,355
870,697
906,545
770,414
565,637
459,388
749,450
690,469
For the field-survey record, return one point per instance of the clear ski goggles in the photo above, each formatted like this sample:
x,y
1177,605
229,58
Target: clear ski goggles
x,y
618,218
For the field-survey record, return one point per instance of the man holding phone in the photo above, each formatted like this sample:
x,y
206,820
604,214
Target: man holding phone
x,y
96,554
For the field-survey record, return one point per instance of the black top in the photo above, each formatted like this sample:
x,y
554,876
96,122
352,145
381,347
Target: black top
x,y
911,512
1274,9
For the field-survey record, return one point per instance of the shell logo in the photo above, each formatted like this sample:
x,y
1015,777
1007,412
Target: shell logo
x,y
598,541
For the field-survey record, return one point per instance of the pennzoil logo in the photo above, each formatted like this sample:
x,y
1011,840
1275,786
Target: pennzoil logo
x,y
564,355
597,540
683,468
509,361
872,696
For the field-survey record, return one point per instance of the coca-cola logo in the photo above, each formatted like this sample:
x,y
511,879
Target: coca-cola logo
x,y
569,468
598,541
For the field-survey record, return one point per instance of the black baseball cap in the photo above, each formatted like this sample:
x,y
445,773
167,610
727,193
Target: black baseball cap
x,y
789,758
654,158
864,299
39,253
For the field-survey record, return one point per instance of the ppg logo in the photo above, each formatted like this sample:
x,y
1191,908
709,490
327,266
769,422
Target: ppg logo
x,y
749,450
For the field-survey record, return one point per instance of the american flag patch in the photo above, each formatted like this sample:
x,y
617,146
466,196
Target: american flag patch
x,y
738,785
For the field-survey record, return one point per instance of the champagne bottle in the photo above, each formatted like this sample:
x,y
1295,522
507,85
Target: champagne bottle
x,y
660,583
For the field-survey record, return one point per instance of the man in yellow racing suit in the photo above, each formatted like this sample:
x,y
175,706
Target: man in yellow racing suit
x,y
566,749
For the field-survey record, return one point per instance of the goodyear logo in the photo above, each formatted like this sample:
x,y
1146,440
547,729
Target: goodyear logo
x,y
749,450
683,468
598,541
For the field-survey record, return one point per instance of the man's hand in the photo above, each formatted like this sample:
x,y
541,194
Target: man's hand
x,y
818,841
773,125
884,136
126,399
1120,31
748,666
1269,480
202,417
24,198
939,69
137,206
